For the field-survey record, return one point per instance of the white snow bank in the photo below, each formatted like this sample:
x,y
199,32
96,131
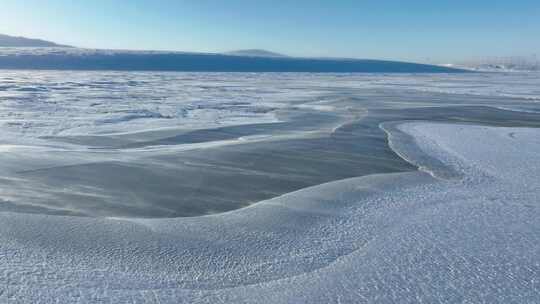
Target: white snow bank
x,y
385,238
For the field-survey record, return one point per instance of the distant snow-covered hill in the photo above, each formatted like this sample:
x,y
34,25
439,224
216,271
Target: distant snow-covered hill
x,y
12,41
255,53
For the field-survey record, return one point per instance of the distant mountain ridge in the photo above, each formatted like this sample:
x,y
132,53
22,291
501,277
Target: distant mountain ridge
x,y
255,53
13,41
25,53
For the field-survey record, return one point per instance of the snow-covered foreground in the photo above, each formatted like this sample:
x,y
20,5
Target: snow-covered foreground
x,y
469,234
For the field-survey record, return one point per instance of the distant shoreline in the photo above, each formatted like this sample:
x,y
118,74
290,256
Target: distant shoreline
x,y
81,59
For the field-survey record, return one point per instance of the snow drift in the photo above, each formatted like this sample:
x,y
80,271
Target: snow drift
x,y
406,237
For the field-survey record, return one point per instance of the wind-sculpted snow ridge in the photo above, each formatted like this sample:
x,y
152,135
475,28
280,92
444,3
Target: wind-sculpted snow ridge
x,y
391,238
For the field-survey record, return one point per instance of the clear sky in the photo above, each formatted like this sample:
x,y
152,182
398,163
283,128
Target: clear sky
x,y
426,30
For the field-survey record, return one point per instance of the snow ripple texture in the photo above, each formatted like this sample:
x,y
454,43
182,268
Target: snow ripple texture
x,y
395,238
49,103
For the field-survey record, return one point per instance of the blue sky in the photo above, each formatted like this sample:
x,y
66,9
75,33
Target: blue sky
x,y
425,31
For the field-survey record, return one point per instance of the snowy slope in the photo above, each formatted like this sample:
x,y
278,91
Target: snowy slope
x,y
404,238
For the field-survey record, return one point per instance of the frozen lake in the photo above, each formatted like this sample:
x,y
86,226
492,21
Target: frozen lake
x,y
170,187
148,144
